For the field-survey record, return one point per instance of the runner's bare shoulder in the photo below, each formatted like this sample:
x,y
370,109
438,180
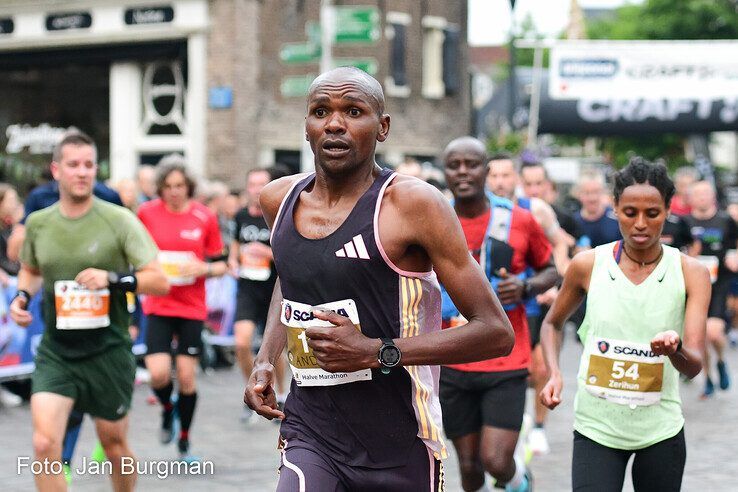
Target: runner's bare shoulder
x,y
580,269
694,270
274,193
413,197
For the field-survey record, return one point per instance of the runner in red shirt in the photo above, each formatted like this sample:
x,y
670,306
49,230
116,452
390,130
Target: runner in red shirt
x,y
483,402
188,236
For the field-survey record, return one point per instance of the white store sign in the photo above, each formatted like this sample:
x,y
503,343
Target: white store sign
x,y
644,69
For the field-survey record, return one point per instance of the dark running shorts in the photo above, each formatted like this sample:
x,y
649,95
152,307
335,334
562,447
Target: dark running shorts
x,y
719,299
252,301
101,385
534,327
305,468
470,400
161,329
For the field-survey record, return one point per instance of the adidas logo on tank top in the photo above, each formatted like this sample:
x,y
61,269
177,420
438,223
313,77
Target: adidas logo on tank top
x,y
354,249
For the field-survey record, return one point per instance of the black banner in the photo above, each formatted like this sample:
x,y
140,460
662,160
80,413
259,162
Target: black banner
x,y
149,15
73,20
605,116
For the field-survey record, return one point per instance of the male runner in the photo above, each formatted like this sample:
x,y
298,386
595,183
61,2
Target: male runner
x,y
537,185
252,260
484,402
596,218
717,233
188,236
88,254
357,249
39,198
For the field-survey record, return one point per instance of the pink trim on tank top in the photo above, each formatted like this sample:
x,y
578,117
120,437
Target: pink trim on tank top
x,y
379,243
281,206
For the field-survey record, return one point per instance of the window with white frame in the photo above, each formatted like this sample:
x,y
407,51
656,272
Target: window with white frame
x,y
433,38
397,83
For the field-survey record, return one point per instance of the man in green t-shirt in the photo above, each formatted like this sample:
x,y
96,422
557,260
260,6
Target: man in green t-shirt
x,y
87,254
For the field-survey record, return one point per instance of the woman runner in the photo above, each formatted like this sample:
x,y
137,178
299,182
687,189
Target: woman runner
x,y
645,323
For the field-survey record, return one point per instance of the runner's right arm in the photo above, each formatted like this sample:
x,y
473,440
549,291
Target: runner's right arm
x,y
259,394
570,297
29,280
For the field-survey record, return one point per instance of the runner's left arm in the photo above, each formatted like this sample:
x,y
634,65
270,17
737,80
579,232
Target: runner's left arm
x,y
688,358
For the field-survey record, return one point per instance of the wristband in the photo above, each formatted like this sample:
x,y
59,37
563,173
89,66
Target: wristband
x,y
23,294
124,281
527,289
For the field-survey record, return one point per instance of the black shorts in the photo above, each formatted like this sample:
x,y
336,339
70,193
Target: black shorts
x,y
470,400
305,467
160,331
534,327
597,468
719,299
252,301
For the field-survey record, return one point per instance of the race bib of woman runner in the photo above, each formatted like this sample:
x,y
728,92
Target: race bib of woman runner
x,y
171,262
297,317
712,264
624,372
78,308
254,266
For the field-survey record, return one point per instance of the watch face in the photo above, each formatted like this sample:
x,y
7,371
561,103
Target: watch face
x,y
390,355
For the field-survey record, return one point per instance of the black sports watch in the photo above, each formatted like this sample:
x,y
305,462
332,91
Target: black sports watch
x,y
389,355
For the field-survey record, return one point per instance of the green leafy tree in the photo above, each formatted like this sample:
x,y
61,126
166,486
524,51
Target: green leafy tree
x,y
670,19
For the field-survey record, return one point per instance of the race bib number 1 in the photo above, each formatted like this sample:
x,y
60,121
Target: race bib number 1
x,y
624,372
297,317
78,308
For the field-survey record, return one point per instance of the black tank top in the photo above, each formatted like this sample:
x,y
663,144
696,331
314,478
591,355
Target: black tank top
x,y
372,422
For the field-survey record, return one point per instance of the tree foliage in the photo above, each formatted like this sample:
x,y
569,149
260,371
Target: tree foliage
x,y
670,19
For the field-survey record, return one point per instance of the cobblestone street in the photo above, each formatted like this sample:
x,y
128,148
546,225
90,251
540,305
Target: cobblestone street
x,y
244,456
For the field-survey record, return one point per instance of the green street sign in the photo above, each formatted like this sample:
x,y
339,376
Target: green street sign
x,y
299,53
369,65
296,85
358,25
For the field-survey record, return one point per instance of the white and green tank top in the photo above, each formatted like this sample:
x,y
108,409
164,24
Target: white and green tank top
x,y
627,398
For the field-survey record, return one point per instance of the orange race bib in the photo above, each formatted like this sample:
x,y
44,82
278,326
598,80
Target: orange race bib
x,y
254,267
171,262
78,308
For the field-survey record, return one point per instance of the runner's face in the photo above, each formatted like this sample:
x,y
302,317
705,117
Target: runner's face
x,y
502,178
256,181
343,125
76,171
591,194
534,181
641,213
465,172
701,197
174,191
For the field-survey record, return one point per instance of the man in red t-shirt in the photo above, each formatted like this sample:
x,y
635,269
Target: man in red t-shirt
x,y
483,402
191,249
